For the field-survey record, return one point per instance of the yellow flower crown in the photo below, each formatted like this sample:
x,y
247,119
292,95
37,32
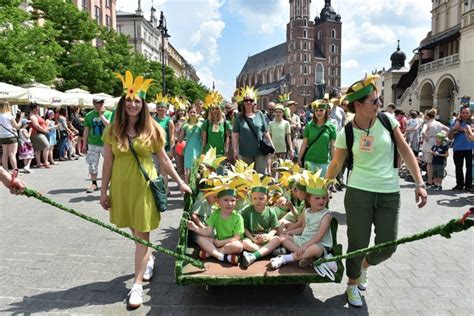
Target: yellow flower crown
x,y
246,92
214,98
131,87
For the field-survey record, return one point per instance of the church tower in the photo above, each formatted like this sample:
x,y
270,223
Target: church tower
x,y
328,45
300,63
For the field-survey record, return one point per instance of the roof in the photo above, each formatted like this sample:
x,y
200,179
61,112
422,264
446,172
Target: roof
x,y
268,88
407,79
271,57
441,38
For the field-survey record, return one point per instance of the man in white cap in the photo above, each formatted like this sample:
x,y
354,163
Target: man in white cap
x,y
94,125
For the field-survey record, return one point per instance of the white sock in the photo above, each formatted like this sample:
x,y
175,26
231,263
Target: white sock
x,y
288,258
221,257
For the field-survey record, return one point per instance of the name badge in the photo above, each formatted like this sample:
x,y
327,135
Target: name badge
x,y
366,144
215,128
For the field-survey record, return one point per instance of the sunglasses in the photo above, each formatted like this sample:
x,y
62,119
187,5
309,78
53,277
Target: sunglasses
x,y
376,101
248,100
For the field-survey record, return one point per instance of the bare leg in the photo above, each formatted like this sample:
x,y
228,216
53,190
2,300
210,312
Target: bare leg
x,y
12,149
142,253
5,156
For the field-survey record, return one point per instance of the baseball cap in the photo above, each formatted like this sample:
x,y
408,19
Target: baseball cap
x,y
98,100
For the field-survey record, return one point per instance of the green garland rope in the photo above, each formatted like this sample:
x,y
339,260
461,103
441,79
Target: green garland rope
x,y
453,226
34,194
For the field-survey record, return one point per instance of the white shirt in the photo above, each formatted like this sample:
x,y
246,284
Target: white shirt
x,y
6,122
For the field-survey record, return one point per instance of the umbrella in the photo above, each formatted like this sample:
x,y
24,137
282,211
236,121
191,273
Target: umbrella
x,y
77,90
13,93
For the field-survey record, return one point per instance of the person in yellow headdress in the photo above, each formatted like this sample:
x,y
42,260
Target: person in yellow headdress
x,y
372,196
130,200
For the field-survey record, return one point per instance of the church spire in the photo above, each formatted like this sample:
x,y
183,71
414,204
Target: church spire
x,y
299,9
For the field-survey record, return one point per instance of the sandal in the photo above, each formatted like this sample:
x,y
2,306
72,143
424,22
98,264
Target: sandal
x,y
47,165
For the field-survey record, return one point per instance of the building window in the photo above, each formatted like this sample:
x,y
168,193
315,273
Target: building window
x,y
305,45
320,34
85,5
305,22
107,4
319,72
305,33
98,16
333,33
305,58
333,48
119,28
108,22
305,70
305,81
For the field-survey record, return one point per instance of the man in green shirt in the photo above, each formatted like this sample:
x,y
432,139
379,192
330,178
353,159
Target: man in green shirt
x,y
94,125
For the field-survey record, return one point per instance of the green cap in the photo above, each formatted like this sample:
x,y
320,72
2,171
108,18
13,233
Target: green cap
x,y
317,191
231,192
259,189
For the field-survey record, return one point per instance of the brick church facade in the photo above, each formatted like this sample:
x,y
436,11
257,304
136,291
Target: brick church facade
x,y
307,64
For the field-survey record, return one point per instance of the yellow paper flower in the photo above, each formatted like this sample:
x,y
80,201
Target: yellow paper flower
x,y
131,87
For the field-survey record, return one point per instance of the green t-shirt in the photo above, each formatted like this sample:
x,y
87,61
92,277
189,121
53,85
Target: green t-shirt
x,y
216,135
202,208
226,228
248,144
319,151
373,171
258,223
96,127
278,132
165,123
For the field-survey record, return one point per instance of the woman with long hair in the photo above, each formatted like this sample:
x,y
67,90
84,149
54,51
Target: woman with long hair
x,y
249,122
191,133
319,135
8,136
40,142
130,199
372,196
52,135
216,131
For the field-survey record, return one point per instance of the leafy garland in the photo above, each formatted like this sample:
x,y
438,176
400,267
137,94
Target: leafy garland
x,y
34,194
453,226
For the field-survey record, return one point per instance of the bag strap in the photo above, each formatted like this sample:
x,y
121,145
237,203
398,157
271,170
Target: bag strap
x,y
9,130
386,123
251,127
348,129
323,129
145,174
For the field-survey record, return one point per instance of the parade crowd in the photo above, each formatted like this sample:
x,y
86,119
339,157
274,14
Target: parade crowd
x,y
352,132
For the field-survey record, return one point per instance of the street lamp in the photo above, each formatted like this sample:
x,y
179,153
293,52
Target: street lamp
x,y
164,34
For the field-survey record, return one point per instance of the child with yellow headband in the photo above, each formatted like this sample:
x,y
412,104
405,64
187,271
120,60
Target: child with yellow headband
x,y
261,225
228,226
315,239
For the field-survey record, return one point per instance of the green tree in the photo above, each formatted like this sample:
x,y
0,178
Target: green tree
x,y
27,50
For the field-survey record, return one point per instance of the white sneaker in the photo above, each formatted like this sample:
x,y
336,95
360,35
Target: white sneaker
x,y
135,296
353,296
276,262
149,269
363,280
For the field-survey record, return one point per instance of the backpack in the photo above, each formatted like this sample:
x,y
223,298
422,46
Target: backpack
x,y
348,130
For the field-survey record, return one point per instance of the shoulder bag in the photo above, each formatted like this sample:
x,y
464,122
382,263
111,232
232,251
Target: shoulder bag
x,y
157,186
264,148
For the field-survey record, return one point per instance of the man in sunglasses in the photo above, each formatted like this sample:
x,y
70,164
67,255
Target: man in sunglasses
x,y
270,115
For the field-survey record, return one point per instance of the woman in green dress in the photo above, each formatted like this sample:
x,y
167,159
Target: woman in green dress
x,y
191,132
216,131
129,200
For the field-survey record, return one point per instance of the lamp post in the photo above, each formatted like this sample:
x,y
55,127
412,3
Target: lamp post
x,y
164,34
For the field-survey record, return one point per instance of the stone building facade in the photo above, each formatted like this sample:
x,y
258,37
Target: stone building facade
x,y
308,64
441,70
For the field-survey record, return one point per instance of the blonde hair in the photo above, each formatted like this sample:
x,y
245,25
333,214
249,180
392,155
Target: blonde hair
x,y
221,114
4,107
149,132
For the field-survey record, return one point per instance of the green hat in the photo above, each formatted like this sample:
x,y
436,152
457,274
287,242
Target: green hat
x,y
231,192
441,136
259,189
279,107
362,88
320,104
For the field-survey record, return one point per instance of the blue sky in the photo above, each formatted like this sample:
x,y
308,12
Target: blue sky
x,y
217,36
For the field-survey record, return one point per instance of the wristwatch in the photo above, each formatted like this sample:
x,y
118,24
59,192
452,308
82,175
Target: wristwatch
x,y
420,185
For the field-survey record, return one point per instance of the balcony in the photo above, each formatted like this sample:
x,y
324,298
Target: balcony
x,y
440,63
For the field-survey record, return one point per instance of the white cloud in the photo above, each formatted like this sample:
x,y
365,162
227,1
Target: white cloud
x,y
262,16
194,58
350,64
